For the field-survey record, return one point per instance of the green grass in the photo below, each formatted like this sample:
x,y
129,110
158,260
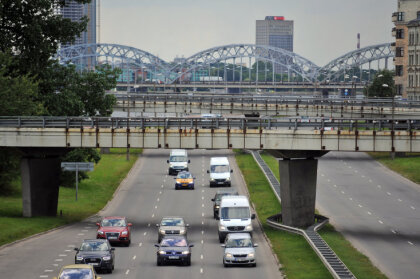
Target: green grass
x,y
408,166
93,195
294,253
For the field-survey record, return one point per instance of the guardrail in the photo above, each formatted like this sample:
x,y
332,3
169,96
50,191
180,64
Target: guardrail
x,y
331,261
243,123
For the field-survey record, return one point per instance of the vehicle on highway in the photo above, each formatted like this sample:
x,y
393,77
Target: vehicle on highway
x,y
184,180
170,226
96,252
115,229
239,250
77,271
218,197
219,172
234,216
174,248
178,161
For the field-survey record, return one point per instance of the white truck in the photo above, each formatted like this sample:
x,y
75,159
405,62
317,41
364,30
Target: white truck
x,y
178,161
234,216
219,172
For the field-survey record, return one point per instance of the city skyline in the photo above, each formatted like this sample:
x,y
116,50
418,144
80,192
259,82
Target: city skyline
x,y
324,30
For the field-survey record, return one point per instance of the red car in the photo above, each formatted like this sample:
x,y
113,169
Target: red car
x,y
115,229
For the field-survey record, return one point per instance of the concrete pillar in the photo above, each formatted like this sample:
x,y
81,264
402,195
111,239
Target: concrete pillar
x,y
40,186
298,191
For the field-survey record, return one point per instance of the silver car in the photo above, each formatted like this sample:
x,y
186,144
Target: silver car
x,y
239,250
171,226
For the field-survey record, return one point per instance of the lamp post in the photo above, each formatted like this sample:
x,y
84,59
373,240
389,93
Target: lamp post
x,y
354,78
384,85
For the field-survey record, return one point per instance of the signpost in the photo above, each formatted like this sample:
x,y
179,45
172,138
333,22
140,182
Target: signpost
x,y
77,166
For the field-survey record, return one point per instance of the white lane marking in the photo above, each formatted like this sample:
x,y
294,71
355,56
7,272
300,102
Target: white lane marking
x,y
350,167
148,225
145,233
201,270
48,270
158,200
153,215
160,192
335,186
140,244
80,234
202,205
413,208
388,193
62,255
322,174
55,264
67,250
342,192
43,276
379,186
134,257
201,257
128,271
202,222
85,230
351,199
161,186
202,214
393,231
155,206
328,180
202,198
164,180
400,200
369,213
58,260
363,176
202,191
203,184
355,171
370,180
202,232
409,242
202,241
380,222
360,205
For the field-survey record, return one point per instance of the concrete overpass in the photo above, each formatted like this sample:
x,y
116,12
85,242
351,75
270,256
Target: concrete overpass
x,y
44,139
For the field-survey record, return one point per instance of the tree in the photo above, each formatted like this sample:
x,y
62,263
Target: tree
x,y
383,85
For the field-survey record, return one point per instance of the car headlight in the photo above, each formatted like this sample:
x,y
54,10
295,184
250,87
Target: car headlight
x,y
222,228
106,258
250,255
217,206
248,228
162,252
79,258
124,233
228,179
185,252
162,231
191,182
100,232
211,179
228,255
182,231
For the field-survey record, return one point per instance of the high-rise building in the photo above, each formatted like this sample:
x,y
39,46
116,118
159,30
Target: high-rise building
x,y
407,49
275,31
75,11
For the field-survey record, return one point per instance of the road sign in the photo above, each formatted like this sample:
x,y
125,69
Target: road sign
x,y
77,166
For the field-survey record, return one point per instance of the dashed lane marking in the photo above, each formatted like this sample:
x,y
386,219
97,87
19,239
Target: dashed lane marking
x,y
400,200
153,215
335,186
202,205
128,271
342,192
388,193
148,225
409,242
369,213
351,199
155,206
380,222
140,244
202,241
58,260
62,255
67,250
80,234
134,257
360,205
201,270
379,186
202,222
201,256
202,232
202,214
145,233
413,208
48,270
43,276
394,232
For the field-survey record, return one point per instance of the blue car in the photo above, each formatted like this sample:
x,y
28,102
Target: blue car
x,y
174,249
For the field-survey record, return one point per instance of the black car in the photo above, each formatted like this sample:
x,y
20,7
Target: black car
x,y
96,252
174,249
218,197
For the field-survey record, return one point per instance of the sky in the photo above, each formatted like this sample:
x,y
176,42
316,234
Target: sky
x,y
323,29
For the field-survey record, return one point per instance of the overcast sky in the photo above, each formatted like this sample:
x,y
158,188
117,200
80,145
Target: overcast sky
x,y
324,29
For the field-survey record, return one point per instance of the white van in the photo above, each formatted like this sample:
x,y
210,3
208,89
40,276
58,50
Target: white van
x,y
219,172
178,161
234,216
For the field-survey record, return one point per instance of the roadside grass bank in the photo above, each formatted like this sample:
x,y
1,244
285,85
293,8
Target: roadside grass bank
x,y
407,165
93,195
298,259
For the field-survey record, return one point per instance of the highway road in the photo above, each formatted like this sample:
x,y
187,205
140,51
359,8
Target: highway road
x,y
375,208
145,197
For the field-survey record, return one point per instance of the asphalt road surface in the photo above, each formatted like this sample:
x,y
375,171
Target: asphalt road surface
x,y
375,208
145,197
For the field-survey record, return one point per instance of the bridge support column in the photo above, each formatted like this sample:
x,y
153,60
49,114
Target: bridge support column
x,y
298,176
40,172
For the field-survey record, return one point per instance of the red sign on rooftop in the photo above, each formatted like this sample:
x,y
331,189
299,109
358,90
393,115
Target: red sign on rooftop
x,y
279,18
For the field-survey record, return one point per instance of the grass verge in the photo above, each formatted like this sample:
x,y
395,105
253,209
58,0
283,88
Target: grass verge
x,y
93,195
298,259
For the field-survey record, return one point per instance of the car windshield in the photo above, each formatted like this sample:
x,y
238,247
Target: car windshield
x,y
172,222
233,243
174,242
76,273
219,169
113,223
235,212
177,159
184,175
94,246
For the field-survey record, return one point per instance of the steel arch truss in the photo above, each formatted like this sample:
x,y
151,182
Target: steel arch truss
x,y
353,59
288,60
113,54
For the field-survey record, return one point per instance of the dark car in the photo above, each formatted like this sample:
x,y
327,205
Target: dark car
x,y
174,249
96,252
218,197
115,229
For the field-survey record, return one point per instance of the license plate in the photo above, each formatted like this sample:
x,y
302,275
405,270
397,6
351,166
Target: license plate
x,y
239,260
220,182
173,257
184,185
112,237
94,264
